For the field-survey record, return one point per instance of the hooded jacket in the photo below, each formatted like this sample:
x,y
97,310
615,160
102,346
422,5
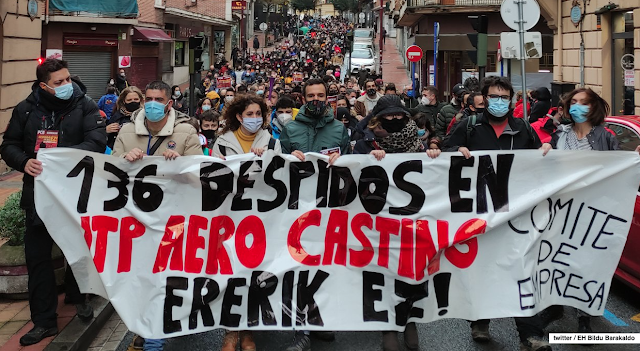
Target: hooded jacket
x,y
180,136
79,126
232,146
542,105
309,134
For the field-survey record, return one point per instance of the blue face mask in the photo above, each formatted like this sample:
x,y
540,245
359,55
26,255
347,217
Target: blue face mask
x,y
154,111
498,107
579,112
63,92
206,107
421,132
260,92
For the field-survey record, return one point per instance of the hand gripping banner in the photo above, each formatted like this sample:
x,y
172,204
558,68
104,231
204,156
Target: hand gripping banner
x,y
271,243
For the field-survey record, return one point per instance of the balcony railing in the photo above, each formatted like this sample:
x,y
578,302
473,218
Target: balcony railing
x,y
428,3
94,8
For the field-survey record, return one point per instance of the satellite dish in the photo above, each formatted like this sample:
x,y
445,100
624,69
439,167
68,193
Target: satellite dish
x,y
509,13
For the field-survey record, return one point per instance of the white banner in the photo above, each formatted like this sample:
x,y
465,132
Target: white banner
x,y
269,243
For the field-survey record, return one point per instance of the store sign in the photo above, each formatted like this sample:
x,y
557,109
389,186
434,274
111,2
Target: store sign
x,y
90,42
185,32
238,5
629,78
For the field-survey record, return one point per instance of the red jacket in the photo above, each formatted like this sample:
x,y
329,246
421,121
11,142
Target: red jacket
x,y
538,125
518,111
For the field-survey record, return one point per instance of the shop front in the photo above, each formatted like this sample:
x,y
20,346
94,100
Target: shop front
x,y
91,50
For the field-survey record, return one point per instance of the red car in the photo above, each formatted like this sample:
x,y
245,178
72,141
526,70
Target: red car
x,y
627,130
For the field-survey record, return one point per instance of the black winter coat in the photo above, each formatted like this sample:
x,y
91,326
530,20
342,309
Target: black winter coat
x,y
79,126
517,135
121,119
541,107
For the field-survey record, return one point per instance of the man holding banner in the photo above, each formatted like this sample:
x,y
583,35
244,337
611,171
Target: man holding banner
x,y
57,113
498,130
329,138
155,123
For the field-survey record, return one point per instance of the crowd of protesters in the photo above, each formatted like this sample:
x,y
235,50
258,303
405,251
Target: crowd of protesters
x,y
292,100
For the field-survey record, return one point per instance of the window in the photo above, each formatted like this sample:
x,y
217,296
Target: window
x,y
179,53
623,87
627,138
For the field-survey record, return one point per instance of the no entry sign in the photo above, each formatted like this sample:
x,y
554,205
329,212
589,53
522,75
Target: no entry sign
x,y
414,53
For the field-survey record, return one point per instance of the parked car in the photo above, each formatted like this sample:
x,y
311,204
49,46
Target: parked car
x,y
627,130
360,45
363,59
363,34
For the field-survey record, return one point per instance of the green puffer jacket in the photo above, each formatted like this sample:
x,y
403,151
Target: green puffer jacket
x,y
446,114
309,134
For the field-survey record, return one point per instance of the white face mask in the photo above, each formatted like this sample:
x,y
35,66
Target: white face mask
x,y
284,118
425,100
352,101
228,98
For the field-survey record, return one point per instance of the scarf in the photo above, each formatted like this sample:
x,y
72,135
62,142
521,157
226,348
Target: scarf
x,y
404,141
125,112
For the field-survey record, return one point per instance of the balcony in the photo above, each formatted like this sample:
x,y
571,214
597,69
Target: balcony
x,y
443,3
94,11
415,9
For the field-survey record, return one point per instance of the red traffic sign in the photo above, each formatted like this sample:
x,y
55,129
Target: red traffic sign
x,y
414,53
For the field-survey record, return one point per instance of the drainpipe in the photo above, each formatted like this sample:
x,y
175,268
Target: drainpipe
x,y
560,40
46,12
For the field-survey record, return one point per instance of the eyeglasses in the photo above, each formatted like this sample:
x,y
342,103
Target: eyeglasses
x,y
505,98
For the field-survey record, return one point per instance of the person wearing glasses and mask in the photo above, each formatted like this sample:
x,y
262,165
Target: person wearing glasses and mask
x,y
497,129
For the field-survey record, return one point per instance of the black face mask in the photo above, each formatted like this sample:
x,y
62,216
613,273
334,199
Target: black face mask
x,y
316,108
209,134
132,106
393,126
333,92
371,92
480,110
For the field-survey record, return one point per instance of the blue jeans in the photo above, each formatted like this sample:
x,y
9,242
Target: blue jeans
x,y
154,344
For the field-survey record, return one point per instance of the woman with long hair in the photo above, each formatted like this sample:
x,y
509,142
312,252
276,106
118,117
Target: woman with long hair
x,y
128,102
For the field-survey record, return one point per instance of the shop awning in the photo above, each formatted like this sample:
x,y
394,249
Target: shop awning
x,y
150,34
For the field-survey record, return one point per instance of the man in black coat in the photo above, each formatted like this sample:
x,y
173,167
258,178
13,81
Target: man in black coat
x,y
58,107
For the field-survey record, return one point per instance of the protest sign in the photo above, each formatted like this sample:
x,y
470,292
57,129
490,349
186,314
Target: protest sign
x,y
298,77
223,82
271,243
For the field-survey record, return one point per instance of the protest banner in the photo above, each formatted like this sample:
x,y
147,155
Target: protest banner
x,y
271,243
223,82
298,77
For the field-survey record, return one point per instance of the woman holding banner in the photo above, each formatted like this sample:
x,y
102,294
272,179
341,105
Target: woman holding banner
x,y
389,129
586,132
244,131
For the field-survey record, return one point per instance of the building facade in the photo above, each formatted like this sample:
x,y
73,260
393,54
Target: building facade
x,y
20,35
414,23
611,37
